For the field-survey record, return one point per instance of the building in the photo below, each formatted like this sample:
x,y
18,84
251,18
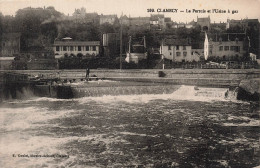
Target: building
x,y
206,47
80,16
157,22
178,50
179,25
243,24
79,13
111,44
139,21
111,19
137,51
227,49
10,44
35,58
124,20
167,22
204,23
69,47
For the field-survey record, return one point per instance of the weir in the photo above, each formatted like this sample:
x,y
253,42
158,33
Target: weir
x,y
132,82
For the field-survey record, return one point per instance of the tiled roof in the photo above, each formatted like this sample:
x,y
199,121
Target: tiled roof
x,y
73,43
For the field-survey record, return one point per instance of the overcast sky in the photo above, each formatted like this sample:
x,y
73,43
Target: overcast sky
x,y
134,8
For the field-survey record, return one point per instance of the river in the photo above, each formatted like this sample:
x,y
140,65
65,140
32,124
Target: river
x,y
182,128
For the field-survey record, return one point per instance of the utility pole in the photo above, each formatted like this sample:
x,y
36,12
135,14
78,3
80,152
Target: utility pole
x,y
121,43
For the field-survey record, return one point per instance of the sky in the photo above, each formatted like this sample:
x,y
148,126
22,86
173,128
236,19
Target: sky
x,y
134,8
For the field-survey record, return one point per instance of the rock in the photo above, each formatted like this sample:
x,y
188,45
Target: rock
x,y
249,90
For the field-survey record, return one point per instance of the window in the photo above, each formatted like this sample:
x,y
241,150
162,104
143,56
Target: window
x,y
220,48
94,48
178,53
64,48
169,47
57,48
237,48
184,54
170,53
87,48
79,48
226,48
71,48
184,48
177,47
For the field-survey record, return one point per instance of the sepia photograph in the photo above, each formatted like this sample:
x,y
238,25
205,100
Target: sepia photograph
x,y
129,83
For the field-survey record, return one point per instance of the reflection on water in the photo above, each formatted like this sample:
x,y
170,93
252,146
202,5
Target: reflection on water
x,y
186,128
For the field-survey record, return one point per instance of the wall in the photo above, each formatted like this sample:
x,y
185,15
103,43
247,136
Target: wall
x,y
228,53
229,74
200,77
75,50
172,54
135,57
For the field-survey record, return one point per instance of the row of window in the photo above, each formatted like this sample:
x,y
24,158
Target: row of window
x,y
229,48
77,48
177,47
179,54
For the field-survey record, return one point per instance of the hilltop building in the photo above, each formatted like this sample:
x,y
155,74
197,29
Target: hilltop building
x,y
204,23
110,19
139,21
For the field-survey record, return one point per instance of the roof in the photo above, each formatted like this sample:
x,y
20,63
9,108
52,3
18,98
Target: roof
x,y
108,16
72,43
167,19
156,17
139,18
175,42
235,21
124,17
203,19
251,20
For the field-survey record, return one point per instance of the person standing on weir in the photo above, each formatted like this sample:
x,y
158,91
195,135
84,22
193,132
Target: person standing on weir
x,y
87,74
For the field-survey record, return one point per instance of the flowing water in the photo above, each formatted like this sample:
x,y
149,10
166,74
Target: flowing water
x,y
185,127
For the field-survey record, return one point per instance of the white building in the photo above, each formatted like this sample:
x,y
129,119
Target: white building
x,y
178,50
86,48
227,49
206,47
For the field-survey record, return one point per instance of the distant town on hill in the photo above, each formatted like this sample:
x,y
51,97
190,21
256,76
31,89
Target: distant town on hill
x,y
44,38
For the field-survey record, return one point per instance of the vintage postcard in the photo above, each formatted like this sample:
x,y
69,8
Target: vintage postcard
x,y
130,83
